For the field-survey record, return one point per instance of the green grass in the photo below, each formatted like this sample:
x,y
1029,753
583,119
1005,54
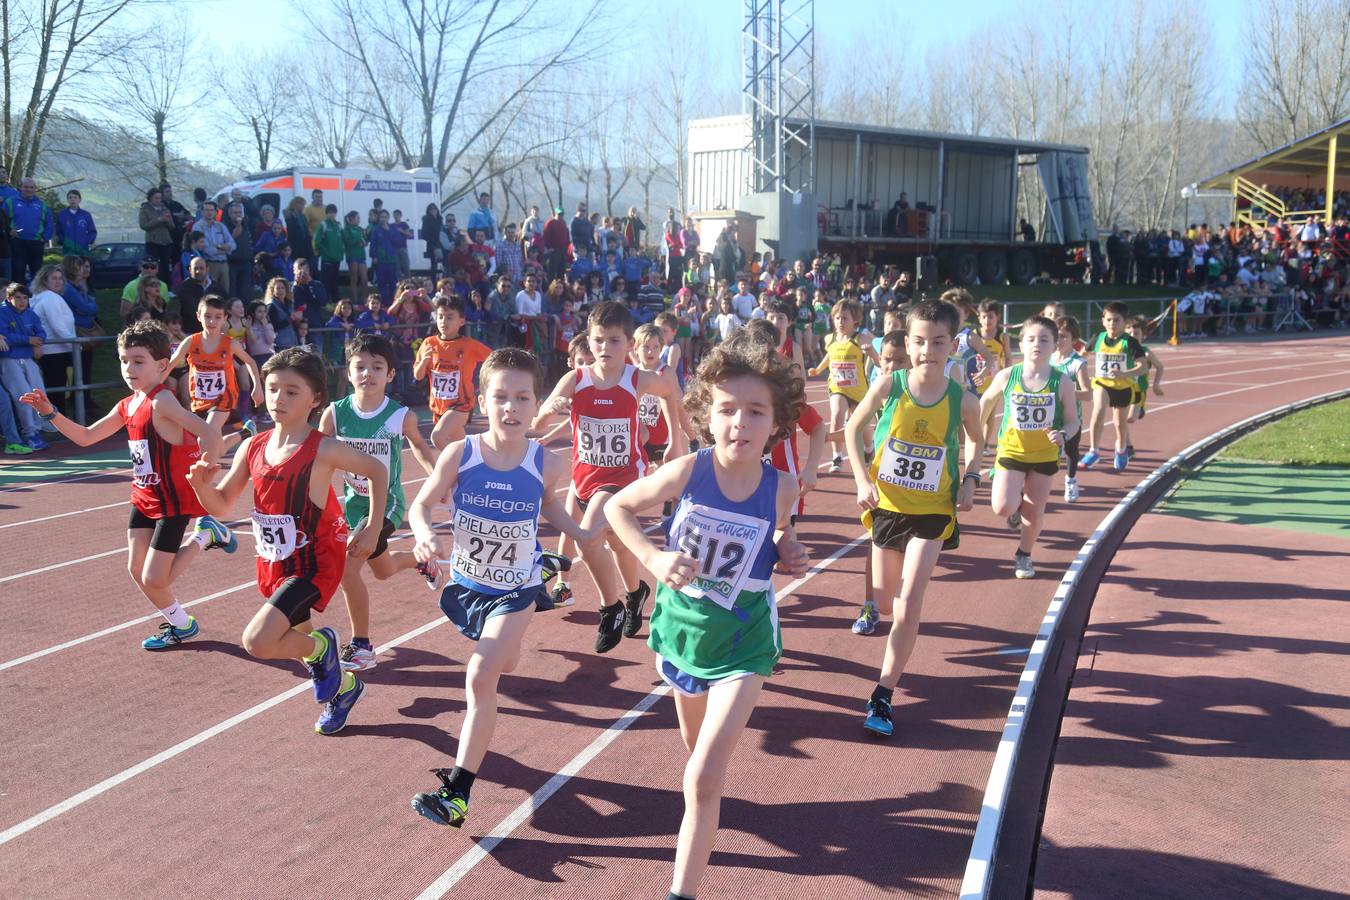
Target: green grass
x,y
1314,437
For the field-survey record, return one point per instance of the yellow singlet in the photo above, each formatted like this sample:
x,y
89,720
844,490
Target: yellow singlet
x,y
1028,418
914,468
848,366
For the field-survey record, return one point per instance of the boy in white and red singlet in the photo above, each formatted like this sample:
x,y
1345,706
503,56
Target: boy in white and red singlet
x,y
602,400
298,525
163,439
780,314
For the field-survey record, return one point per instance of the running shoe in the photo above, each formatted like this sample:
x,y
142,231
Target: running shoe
x,y
1121,461
18,449
550,564
562,595
1129,451
610,631
248,428
357,657
878,722
334,716
433,573
169,636
35,442
867,620
632,620
1022,567
836,463
1089,459
1015,521
444,806
1071,490
217,535
327,671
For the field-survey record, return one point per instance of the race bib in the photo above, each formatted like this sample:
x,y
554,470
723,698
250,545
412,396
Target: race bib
x,y
649,410
844,374
604,443
445,385
1110,365
499,555
376,447
1031,412
142,470
208,385
724,544
276,536
917,467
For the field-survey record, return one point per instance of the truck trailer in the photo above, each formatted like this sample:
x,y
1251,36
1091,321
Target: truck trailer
x,y
348,189
960,193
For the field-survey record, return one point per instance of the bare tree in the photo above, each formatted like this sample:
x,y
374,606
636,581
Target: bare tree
x,y
1298,64
45,48
261,91
151,91
327,118
447,50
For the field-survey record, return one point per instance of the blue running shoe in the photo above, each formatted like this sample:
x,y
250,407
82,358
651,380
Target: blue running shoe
x,y
334,716
1089,459
1121,461
327,672
217,535
444,806
248,428
551,564
37,443
878,721
866,623
170,636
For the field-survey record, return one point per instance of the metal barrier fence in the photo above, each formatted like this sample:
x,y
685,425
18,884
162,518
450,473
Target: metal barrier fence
x,y
540,336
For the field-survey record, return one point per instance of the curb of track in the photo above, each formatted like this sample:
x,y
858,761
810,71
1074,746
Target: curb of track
x,y
1003,848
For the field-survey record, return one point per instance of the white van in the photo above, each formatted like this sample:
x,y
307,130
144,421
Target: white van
x,y
348,189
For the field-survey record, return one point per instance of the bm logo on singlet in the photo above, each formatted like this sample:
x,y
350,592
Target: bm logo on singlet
x,y
498,504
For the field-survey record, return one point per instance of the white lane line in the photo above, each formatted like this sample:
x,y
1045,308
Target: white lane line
x,y
201,737
113,629
527,807
21,486
73,512
181,747
62,564
1250,387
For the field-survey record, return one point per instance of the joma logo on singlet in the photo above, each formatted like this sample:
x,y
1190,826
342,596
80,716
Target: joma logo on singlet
x,y
601,401
497,486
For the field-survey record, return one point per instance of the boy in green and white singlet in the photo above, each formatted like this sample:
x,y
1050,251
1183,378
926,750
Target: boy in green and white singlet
x,y
1071,363
1039,415
379,426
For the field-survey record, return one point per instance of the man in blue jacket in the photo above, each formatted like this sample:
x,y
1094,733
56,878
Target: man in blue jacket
x,y
482,218
30,224
75,230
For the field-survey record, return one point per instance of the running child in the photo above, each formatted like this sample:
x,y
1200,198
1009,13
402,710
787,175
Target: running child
x,y
893,323
452,361
672,353
164,440
1138,329
715,627
846,356
500,483
378,426
1115,362
996,339
602,401
660,438
1039,415
893,358
301,536
910,493
578,357
211,355
1072,364
782,315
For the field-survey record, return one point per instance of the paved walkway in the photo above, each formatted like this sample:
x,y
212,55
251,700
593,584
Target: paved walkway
x,y
1205,744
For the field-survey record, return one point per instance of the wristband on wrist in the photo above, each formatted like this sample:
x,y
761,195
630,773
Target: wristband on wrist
x,y
47,417
973,475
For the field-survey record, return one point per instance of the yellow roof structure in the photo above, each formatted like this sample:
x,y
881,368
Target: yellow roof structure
x,y
1319,161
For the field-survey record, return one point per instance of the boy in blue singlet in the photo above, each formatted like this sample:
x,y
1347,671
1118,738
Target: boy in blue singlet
x,y
714,569
378,426
499,483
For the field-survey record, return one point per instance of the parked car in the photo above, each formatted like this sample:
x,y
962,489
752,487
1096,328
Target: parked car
x,y
115,264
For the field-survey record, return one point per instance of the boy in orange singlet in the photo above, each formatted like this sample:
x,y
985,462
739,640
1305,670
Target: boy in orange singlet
x,y
210,356
452,360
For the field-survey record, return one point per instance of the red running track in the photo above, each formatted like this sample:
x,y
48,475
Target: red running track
x,y
122,766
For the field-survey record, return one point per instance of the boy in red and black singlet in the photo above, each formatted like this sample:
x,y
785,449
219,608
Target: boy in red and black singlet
x,y
298,525
163,442
603,401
